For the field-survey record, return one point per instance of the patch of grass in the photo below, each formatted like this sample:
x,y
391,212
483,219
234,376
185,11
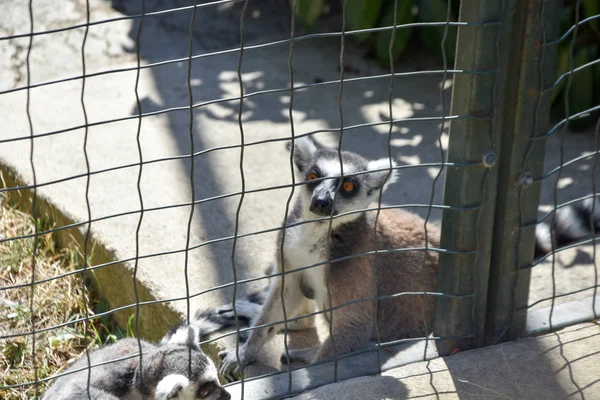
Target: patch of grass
x,y
55,302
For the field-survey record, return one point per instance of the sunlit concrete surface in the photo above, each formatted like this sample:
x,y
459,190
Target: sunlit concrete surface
x,y
560,365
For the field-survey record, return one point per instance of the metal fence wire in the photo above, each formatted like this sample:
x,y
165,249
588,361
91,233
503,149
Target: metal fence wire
x,y
199,242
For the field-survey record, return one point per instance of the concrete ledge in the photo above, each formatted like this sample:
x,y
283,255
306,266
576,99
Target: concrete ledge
x,y
565,314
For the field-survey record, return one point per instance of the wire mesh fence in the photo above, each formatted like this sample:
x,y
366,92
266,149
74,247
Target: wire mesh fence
x,y
175,207
567,218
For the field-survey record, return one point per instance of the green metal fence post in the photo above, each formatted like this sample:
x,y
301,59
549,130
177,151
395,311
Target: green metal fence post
x,y
501,195
471,190
524,121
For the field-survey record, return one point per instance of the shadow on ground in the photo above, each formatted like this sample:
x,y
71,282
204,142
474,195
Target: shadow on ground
x,y
560,365
215,88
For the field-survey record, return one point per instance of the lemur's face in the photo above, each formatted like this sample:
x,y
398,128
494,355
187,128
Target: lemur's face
x,y
188,378
185,372
334,188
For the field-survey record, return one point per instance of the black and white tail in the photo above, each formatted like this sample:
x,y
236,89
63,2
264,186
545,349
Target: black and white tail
x,y
572,224
215,319
247,310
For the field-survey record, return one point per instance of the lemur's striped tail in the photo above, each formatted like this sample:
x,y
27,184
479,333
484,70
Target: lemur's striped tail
x,y
215,319
572,224
247,310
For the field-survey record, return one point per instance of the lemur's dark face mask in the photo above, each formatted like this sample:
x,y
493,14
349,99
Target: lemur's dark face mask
x,y
323,200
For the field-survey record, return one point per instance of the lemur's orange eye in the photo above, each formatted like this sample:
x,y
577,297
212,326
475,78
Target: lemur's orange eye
x,y
312,176
205,390
348,186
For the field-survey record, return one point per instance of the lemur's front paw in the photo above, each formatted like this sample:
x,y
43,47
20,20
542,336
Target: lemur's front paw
x,y
231,365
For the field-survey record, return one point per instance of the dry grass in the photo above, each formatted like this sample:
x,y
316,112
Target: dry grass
x,y
54,302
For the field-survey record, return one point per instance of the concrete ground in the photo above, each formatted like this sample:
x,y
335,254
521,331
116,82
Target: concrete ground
x,y
561,365
165,189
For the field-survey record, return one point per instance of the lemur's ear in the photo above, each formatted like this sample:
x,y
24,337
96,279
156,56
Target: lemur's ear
x,y
304,151
183,335
382,178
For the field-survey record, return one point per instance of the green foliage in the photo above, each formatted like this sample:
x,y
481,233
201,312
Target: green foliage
x,y
368,14
130,328
308,11
581,94
591,8
363,14
562,68
401,35
432,36
597,83
584,88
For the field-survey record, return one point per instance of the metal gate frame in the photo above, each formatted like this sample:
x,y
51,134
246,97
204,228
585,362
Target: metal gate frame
x,y
499,196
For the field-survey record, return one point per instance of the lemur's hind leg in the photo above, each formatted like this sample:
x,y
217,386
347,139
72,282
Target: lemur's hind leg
x,y
352,328
271,313
306,307
306,355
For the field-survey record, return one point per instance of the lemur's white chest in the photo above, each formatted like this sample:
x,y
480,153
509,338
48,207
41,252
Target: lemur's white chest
x,y
304,246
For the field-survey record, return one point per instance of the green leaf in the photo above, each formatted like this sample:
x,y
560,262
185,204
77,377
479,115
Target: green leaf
x,y
597,80
581,95
591,8
401,34
308,11
362,14
562,66
436,11
130,328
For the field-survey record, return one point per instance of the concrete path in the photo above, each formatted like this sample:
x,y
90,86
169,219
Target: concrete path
x,y
560,365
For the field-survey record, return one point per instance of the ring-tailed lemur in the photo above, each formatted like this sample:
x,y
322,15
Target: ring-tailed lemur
x,y
176,368
352,279
352,276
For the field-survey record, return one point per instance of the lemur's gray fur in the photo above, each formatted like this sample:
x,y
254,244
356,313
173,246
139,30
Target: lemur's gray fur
x,y
353,278
176,368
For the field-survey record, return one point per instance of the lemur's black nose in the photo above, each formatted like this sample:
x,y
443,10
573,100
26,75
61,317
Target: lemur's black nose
x,y
321,206
224,395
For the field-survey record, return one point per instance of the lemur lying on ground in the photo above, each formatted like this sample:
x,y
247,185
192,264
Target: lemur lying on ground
x,y
352,277
174,369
